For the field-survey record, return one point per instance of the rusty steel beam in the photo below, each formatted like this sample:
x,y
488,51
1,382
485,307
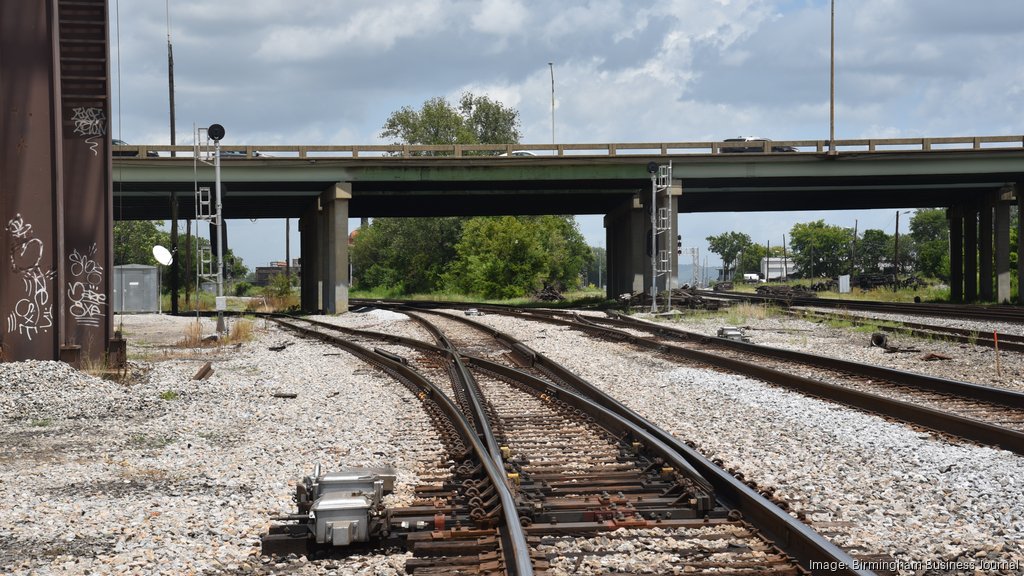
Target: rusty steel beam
x,y
55,191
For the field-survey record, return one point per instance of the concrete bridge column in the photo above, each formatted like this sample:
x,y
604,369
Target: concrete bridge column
x,y
985,241
1018,188
334,202
956,253
309,252
624,235
1002,239
970,253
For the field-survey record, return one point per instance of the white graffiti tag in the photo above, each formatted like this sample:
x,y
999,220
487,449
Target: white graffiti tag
x,y
34,313
91,123
84,290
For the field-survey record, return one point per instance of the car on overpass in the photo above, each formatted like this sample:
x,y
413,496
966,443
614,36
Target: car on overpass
x,y
130,153
753,144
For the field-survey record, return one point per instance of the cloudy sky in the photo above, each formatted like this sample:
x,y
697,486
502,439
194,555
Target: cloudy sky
x,y
331,71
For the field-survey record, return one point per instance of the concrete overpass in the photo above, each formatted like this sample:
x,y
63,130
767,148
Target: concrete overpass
x,y
976,178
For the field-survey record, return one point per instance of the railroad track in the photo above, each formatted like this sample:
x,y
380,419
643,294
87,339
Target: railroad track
x,y
982,414
1006,342
994,313
551,476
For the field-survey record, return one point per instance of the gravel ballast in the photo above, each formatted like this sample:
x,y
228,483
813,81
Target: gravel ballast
x,y
870,484
174,476
169,476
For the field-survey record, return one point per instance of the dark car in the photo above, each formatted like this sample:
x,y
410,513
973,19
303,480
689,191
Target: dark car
x,y
754,144
130,153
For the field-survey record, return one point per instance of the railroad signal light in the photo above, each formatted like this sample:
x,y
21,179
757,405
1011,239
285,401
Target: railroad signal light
x,y
679,244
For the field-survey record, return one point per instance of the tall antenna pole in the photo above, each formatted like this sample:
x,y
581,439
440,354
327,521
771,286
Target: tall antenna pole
x,y
832,86
551,66
170,73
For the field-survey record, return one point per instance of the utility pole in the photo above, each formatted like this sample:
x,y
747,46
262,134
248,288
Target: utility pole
x,y
551,66
832,86
170,74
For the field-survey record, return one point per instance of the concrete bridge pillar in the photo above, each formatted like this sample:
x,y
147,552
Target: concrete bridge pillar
x,y
970,252
309,252
1002,239
985,242
1018,188
624,235
334,215
956,253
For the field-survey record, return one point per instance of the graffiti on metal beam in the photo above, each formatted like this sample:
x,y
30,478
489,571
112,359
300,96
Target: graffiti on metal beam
x,y
85,294
91,123
34,313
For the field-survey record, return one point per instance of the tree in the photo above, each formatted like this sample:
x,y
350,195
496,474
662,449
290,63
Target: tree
x,y
509,256
874,250
930,231
729,245
476,120
597,269
134,241
407,255
819,248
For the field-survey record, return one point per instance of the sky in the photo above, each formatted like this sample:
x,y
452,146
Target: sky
x,y
332,71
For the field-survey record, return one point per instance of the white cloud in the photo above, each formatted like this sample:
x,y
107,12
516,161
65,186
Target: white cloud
x,y
365,31
500,17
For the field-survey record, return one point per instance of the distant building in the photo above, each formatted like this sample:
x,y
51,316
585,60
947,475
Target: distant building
x,y
776,268
264,274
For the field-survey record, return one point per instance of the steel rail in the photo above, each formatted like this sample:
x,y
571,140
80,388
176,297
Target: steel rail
x,y
791,535
521,563
997,313
938,420
1007,342
542,362
467,383
966,390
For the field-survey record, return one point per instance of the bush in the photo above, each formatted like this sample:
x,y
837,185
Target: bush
x,y
242,288
280,286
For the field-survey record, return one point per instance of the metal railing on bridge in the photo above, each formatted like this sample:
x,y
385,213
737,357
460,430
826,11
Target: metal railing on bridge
x,y
526,151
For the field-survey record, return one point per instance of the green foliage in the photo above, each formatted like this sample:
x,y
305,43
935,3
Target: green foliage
x,y
597,269
280,286
729,245
873,250
821,248
930,231
493,257
505,257
242,288
476,120
134,241
169,395
406,255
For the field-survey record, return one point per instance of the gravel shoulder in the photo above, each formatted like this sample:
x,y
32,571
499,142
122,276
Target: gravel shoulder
x,y
166,475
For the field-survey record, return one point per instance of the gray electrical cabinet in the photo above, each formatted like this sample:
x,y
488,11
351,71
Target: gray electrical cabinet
x,y
136,289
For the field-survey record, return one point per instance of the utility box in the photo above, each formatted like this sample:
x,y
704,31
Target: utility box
x,y
136,289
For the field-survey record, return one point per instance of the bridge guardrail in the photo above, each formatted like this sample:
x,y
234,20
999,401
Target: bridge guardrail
x,y
378,151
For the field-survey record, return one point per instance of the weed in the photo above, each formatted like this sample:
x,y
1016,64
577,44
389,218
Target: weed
x,y
41,423
193,335
169,395
972,338
241,331
144,441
